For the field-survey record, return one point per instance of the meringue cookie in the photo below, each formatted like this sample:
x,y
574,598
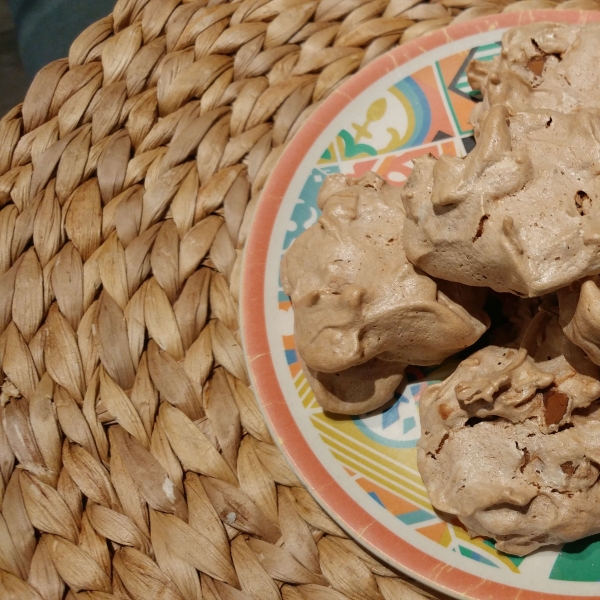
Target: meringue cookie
x,y
356,297
580,315
356,390
509,442
541,66
520,214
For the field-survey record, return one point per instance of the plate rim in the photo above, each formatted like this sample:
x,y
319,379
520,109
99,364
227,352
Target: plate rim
x,y
339,505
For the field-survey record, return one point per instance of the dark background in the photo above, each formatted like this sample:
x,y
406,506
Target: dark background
x,y
13,80
45,30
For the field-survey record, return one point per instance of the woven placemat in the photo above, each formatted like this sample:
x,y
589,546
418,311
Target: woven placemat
x,y
134,462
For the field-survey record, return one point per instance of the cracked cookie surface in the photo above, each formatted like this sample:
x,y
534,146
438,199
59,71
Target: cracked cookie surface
x,y
520,213
509,442
362,312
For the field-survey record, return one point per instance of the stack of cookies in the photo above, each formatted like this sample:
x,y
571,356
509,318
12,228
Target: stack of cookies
x,y
389,277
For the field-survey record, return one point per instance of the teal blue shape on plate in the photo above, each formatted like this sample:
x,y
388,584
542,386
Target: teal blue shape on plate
x,y
392,414
376,498
389,416
578,561
416,516
307,200
475,556
409,424
352,149
488,52
421,111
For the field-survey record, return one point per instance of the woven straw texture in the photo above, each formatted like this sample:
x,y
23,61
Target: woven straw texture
x,y
134,462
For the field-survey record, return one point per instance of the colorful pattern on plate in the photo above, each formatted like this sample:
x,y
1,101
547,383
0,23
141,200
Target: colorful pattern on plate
x,y
427,112
414,100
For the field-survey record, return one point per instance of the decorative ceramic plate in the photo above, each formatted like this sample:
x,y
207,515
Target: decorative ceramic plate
x,y
363,470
